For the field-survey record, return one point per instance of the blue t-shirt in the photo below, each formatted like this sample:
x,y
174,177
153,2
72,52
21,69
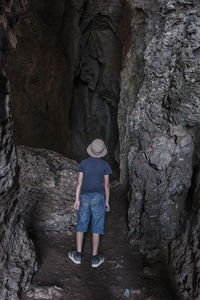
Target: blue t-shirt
x,y
93,169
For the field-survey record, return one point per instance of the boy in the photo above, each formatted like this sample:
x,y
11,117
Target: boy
x,y
92,199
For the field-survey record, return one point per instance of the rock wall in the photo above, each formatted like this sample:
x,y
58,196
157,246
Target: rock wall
x,y
133,34
160,94
65,43
96,84
40,71
64,76
184,250
17,255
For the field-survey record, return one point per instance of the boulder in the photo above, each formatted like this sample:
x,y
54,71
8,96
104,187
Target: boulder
x,y
47,189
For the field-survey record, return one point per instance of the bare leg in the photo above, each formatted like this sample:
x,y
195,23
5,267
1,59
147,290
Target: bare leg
x,y
79,241
95,242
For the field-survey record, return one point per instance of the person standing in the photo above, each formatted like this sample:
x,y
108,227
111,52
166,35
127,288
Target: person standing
x,y
92,200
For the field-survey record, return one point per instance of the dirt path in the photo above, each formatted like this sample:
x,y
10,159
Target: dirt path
x,y
123,275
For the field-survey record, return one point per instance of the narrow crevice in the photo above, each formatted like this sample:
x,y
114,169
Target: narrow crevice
x,y
123,71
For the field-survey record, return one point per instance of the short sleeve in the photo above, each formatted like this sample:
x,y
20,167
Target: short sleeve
x,y
81,167
107,170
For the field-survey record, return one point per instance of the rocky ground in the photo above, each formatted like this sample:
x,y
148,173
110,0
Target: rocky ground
x,y
124,275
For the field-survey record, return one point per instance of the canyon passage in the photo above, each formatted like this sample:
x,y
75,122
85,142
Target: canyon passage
x,y
127,72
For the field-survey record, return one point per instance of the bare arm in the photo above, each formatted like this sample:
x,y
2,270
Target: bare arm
x,y
107,191
78,188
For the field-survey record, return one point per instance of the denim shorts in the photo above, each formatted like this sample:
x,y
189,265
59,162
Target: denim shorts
x,y
91,204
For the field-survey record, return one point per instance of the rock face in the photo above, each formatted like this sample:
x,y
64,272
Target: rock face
x,y
65,82
160,94
185,256
96,84
40,71
184,250
47,189
69,60
17,254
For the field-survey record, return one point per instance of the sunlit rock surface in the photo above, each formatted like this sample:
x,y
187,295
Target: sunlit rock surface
x,y
47,189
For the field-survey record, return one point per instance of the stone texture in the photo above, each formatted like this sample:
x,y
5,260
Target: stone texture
x,y
44,292
184,250
156,43
185,258
40,71
47,189
69,60
159,100
96,84
132,74
157,220
160,105
17,253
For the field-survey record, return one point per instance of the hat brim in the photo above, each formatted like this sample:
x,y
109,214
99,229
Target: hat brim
x,y
89,151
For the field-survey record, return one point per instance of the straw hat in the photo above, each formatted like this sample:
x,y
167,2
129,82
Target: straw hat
x,y
97,148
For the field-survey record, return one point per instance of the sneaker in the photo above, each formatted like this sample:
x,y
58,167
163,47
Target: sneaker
x,y
97,260
75,257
